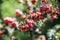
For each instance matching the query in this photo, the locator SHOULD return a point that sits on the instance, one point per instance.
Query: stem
(31, 34)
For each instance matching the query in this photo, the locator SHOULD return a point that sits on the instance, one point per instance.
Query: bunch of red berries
(26, 27)
(11, 22)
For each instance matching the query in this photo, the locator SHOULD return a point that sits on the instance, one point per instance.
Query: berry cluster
(11, 22)
(25, 22)
(26, 27)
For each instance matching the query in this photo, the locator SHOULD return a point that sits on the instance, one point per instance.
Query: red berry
(22, 28)
(12, 25)
(53, 16)
(58, 11)
(33, 15)
(1, 33)
(11, 22)
(39, 13)
(27, 28)
(8, 20)
(18, 12)
(36, 15)
(41, 17)
(30, 23)
(23, 16)
(43, 9)
(28, 16)
(44, 1)
(34, 1)
(49, 8)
